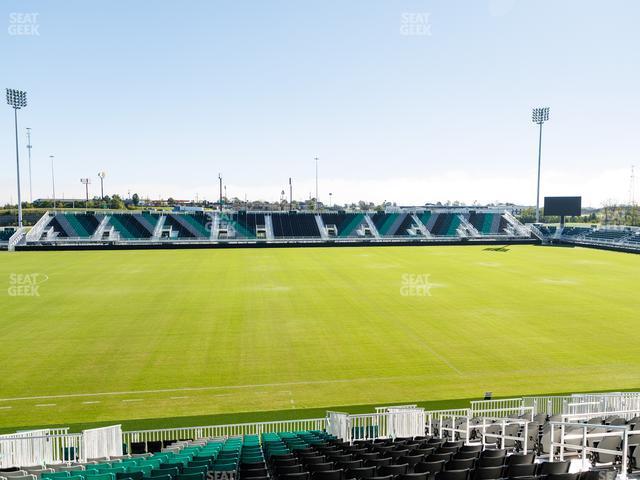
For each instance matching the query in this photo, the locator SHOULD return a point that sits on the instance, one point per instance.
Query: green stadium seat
(191, 476)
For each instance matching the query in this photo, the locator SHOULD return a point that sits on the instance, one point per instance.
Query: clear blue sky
(164, 95)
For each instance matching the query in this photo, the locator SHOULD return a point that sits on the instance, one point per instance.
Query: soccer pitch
(180, 336)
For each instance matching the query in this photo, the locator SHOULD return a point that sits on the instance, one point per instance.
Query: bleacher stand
(290, 225)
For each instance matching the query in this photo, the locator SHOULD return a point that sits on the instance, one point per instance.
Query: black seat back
(547, 468)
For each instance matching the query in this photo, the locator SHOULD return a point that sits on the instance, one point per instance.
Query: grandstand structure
(126, 228)
(569, 437)
(613, 237)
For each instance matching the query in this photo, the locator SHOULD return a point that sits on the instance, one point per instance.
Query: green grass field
(176, 337)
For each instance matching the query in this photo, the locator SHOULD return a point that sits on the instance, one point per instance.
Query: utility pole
(220, 180)
(29, 151)
(316, 158)
(290, 195)
(53, 182)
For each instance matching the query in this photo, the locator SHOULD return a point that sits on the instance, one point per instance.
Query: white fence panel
(406, 422)
(102, 442)
(37, 447)
(504, 407)
(368, 426)
(338, 425)
(24, 448)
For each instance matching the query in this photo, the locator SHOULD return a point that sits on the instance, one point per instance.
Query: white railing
(584, 417)
(38, 228)
(40, 447)
(368, 426)
(518, 227)
(16, 238)
(230, 430)
(393, 407)
(102, 442)
(406, 422)
(503, 435)
(466, 425)
(337, 424)
(582, 407)
(549, 404)
(503, 407)
(585, 445)
(387, 422)
(440, 422)
(606, 402)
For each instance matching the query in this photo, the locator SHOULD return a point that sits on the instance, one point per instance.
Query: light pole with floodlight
(17, 99)
(53, 182)
(102, 175)
(86, 182)
(316, 159)
(29, 150)
(539, 116)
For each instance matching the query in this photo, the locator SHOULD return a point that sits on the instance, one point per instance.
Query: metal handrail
(622, 431)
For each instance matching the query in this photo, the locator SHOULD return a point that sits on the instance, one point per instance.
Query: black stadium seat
(488, 473)
(429, 467)
(361, 472)
(453, 475)
(393, 469)
(328, 475)
(414, 476)
(546, 468)
(519, 459)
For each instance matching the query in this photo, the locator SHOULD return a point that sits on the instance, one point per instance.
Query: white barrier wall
(102, 442)
(37, 447)
(406, 422)
(337, 424)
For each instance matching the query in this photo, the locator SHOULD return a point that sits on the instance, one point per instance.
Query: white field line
(237, 387)
(210, 388)
(5, 408)
(45, 405)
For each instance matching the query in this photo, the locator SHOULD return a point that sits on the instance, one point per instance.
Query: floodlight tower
(86, 182)
(17, 99)
(539, 116)
(53, 182)
(220, 184)
(102, 175)
(29, 150)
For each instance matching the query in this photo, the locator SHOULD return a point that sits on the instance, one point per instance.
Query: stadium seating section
(115, 227)
(446, 224)
(6, 233)
(131, 226)
(289, 225)
(317, 455)
(346, 224)
(246, 224)
(625, 238)
(393, 224)
(74, 225)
